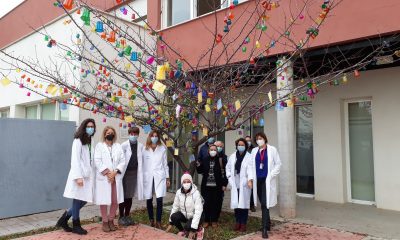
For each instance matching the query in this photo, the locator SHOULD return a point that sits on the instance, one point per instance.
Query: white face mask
(213, 153)
(186, 186)
(260, 142)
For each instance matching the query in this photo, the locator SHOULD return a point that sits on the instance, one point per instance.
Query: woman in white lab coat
(240, 173)
(155, 175)
(79, 185)
(133, 151)
(110, 164)
(267, 165)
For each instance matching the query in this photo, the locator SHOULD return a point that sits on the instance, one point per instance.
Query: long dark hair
(81, 131)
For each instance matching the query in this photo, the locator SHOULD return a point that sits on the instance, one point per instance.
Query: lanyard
(262, 155)
(90, 153)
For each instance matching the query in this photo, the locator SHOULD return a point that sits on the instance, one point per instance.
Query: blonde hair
(106, 128)
(148, 141)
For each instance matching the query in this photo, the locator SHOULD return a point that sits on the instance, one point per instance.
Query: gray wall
(34, 165)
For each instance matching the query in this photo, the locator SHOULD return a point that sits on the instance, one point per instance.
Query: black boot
(264, 233)
(63, 222)
(77, 228)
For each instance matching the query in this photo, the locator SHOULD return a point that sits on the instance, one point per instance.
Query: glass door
(304, 150)
(361, 156)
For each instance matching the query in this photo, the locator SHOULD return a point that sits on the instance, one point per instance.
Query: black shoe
(77, 228)
(264, 233)
(63, 222)
(253, 209)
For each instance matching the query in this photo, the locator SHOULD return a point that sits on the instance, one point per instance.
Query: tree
(129, 72)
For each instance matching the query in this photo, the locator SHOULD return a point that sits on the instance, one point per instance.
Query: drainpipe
(286, 142)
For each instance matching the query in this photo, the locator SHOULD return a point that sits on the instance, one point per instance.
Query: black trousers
(213, 197)
(251, 199)
(262, 196)
(178, 218)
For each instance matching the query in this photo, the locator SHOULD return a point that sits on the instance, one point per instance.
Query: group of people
(112, 174)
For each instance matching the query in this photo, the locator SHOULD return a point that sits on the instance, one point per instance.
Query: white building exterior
(15, 102)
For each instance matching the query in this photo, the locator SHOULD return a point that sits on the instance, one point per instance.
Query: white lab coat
(246, 174)
(126, 147)
(81, 167)
(155, 167)
(274, 166)
(102, 159)
(189, 204)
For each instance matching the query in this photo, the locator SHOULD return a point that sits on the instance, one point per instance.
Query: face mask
(213, 153)
(220, 149)
(249, 143)
(241, 148)
(89, 131)
(154, 140)
(260, 142)
(110, 137)
(211, 140)
(133, 138)
(186, 186)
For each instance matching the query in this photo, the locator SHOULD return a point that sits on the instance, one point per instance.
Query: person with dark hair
(267, 165)
(222, 160)
(79, 185)
(213, 184)
(133, 151)
(250, 147)
(155, 175)
(109, 160)
(240, 173)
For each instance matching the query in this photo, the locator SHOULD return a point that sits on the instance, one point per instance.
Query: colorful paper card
(159, 87)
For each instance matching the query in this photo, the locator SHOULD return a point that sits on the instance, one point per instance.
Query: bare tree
(124, 71)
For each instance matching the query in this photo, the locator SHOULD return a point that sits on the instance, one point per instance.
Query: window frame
(193, 11)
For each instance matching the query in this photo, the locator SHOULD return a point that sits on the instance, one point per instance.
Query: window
(206, 6)
(31, 112)
(178, 11)
(63, 112)
(4, 113)
(48, 111)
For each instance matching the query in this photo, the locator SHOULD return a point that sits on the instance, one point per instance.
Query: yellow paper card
(128, 119)
(5, 81)
(208, 109)
(170, 143)
(160, 75)
(176, 152)
(199, 97)
(205, 131)
(159, 87)
(270, 96)
(237, 105)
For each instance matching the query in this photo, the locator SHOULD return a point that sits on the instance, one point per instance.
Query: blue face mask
(211, 140)
(220, 149)
(154, 140)
(89, 131)
(133, 138)
(241, 148)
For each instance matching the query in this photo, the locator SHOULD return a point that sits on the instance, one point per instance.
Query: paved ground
(138, 232)
(49, 219)
(287, 231)
(292, 231)
(346, 217)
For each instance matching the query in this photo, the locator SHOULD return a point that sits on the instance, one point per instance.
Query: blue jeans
(150, 211)
(76, 207)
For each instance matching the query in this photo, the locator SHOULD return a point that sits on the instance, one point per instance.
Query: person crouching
(187, 209)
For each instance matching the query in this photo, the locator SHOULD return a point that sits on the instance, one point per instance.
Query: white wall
(34, 47)
(329, 139)
(140, 6)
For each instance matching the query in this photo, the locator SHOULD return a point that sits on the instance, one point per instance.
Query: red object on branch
(67, 4)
